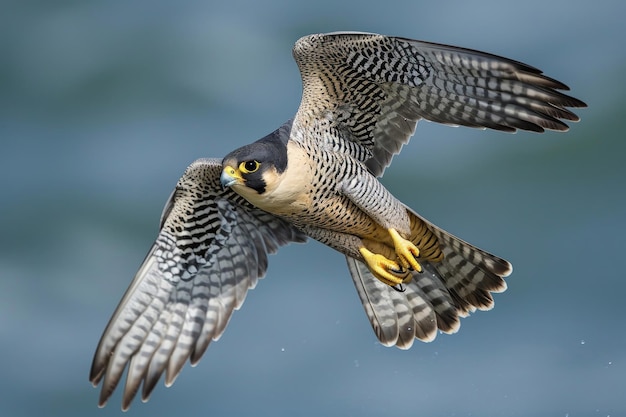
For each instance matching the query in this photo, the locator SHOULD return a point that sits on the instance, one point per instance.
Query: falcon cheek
(256, 182)
(261, 188)
(250, 186)
(287, 192)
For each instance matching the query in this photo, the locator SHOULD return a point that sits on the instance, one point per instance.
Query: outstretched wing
(212, 248)
(370, 90)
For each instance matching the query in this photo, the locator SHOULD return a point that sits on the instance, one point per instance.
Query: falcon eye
(249, 167)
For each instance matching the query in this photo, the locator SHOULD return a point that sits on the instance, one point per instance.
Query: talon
(386, 270)
(399, 271)
(407, 252)
(399, 288)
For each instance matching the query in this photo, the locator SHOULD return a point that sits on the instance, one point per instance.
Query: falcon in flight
(317, 176)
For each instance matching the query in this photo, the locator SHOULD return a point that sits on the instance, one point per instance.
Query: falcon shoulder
(212, 247)
(370, 90)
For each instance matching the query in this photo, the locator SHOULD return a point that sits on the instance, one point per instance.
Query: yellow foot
(407, 252)
(387, 271)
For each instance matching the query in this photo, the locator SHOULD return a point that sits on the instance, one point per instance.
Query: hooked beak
(230, 176)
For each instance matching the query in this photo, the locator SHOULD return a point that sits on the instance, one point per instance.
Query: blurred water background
(104, 103)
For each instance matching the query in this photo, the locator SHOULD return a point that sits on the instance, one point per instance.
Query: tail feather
(470, 274)
(457, 279)
(398, 318)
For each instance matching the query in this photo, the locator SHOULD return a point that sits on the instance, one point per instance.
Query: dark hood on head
(271, 148)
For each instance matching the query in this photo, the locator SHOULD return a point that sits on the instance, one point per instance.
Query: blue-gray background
(104, 103)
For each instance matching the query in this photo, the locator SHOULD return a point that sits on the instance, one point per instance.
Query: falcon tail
(451, 286)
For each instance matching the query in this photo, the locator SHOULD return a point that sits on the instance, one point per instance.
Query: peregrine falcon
(318, 176)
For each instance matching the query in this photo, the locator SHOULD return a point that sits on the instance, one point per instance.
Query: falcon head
(252, 169)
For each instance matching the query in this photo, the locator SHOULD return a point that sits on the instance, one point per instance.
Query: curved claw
(399, 288)
(407, 252)
(400, 271)
(386, 270)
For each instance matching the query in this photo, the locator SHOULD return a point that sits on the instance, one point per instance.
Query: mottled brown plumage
(317, 176)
